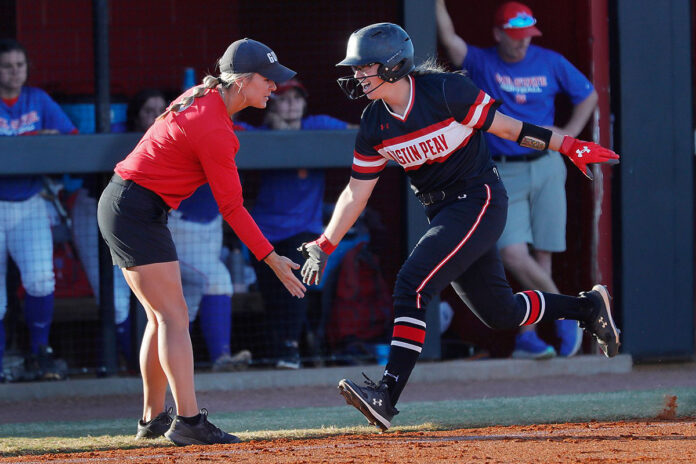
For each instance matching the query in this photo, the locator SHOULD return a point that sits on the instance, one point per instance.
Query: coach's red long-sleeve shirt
(183, 151)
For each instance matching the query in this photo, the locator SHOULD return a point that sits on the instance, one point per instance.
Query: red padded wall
(151, 42)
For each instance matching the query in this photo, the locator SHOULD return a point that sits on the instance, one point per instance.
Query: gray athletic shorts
(537, 205)
(133, 222)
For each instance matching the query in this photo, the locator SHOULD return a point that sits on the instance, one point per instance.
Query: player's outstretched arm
(350, 204)
(581, 153)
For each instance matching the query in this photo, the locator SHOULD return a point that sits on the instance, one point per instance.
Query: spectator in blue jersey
(142, 110)
(526, 79)
(288, 210)
(196, 228)
(25, 229)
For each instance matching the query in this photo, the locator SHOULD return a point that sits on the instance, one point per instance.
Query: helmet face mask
(352, 86)
(383, 43)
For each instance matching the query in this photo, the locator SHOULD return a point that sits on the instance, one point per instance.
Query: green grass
(53, 437)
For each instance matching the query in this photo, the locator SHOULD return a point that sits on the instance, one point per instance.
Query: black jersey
(437, 141)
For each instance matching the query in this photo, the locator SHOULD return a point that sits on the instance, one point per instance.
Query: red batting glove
(582, 153)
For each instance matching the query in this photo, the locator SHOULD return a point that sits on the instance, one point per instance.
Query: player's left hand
(582, 153)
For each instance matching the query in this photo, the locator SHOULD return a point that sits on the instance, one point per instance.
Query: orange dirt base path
(649, 441)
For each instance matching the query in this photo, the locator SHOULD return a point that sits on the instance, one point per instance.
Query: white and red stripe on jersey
(441, 122)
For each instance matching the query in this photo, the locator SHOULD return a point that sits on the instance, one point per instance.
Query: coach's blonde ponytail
(209, 82)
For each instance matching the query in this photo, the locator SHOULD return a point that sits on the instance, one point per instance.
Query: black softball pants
(459, 248)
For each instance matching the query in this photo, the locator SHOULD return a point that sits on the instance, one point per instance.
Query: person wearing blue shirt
(288, 210)
(526, 79)
(196, 228)
(25, 228)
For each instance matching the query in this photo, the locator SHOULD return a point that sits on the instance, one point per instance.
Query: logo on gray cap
(251, 56)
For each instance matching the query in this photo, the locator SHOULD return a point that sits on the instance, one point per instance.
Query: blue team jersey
(289, 201)
(200, 207)
(437, 140)
(527, 89)
(33, 111)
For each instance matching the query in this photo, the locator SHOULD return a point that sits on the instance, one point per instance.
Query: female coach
(430, 122)
(190, 144)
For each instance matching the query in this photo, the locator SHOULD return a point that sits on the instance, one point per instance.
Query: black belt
(512, 158)
(454, 190)
(118, 180)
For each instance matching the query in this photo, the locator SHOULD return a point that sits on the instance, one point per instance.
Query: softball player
(431, 122)
(25, 229)
(191, 143)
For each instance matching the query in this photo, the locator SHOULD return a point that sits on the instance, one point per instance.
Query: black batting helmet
(384, 43)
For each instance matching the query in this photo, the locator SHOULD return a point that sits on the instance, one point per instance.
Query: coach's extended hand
(582, 153)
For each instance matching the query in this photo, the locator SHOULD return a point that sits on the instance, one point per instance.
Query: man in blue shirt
(526, 79)
(288, 210)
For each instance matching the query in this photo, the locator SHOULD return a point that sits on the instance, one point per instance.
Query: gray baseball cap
(247, 55)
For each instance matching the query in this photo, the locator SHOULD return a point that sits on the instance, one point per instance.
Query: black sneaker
(50, 368)
(372, 401)
(29, 371)
(156, 427)
(201, 433)
(601, 325)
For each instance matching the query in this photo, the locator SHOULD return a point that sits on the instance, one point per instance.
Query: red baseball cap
(291, 84)
(517, 20)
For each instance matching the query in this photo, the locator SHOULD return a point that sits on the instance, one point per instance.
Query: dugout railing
(97, 154)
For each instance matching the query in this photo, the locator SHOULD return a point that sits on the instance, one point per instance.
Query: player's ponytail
(429, 66)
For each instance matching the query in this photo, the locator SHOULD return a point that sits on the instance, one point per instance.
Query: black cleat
(156, 427)
(373, 401)
(201, 433)
(601, 324)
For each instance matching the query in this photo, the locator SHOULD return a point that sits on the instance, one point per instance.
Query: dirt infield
(653, 441)
(668, 434)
